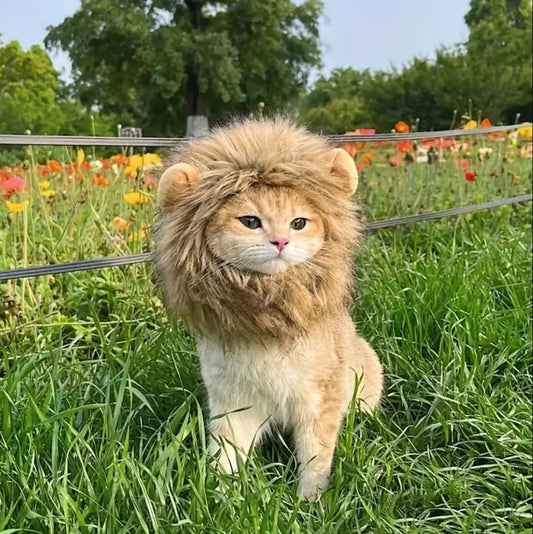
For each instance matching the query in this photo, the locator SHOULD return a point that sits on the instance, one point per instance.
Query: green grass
(101, 425)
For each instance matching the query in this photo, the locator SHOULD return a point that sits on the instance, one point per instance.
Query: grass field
(101, 405)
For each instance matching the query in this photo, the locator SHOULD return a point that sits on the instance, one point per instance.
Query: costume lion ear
(174, 182)
(343, 166)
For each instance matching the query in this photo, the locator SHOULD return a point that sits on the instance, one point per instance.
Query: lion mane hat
(217, 299)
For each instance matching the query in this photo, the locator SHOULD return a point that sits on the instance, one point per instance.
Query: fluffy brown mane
(218, 299)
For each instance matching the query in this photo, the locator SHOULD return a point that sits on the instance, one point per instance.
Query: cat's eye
(250, 221)
(298, 223)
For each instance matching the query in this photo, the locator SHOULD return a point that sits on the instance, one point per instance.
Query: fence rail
(102, 263)
(75, 140)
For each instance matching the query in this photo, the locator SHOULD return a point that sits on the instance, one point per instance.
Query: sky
(377, 34)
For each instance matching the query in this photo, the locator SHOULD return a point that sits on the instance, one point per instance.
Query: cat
(253, 252)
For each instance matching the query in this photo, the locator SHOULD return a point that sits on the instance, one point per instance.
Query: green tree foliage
(33, 98)
(489, 76)
(153, 62)
(28, 85)
(336, 101)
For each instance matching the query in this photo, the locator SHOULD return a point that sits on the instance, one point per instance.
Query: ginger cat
(253, 253)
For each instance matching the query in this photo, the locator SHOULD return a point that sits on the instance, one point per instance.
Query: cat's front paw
(311, 485)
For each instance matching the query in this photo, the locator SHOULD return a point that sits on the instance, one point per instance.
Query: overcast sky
(374, 34)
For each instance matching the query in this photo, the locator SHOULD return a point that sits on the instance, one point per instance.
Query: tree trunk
(195, 103)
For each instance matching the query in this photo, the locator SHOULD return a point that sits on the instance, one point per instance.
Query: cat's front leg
(315, 439)
(233, 434)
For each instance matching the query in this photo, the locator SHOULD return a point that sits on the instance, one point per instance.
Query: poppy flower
(43, 170)
(485, 123)
(367, 158)
(80, 157)
(470, 175)
(106, 164)
(395, 161)
(404, 146)
(525, 132)
(120, 224)
(401, 127)
(16, 207)
(150, 181)
(119, 159)
(135, 198)
(470, 125)
(54, 166)
(100, 180)
(14, 184)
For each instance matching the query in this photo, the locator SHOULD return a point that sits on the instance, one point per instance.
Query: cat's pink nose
(280, 242)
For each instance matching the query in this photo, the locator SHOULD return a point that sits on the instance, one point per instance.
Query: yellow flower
(80, 158)
(152, 159)
(16, 207)
(470, 125)
(44, 184)
(134, 198)
(525, 132)
(137, 236)
(120, 224)
(49, 193)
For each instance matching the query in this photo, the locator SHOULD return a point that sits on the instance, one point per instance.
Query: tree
(28, 84)
(488, 76)
(33, 98)
(499, 49)
(335, 104)
(152, 62)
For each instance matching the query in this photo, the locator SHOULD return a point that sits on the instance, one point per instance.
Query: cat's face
(266, 230)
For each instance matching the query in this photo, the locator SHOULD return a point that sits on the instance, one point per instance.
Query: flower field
(101, 422)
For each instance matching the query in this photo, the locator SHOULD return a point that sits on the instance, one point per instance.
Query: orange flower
(120, 224)
(367, 158)
(119, 159)
(100, 180)
(87, 165)
(43, 170)
(401, 127)
(54, 166)
(485, 123)
(106, 164)
(404, 146)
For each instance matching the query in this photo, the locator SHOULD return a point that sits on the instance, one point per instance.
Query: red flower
(485, 123)
(14, 184)
(404, 146)
(43, 170)
(106, 164)
(443, 143)
(470, 175)
(395, 161)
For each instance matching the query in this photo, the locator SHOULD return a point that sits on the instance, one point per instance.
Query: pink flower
(14, 184)
(470, 175)
(395, 161)
(150, 181)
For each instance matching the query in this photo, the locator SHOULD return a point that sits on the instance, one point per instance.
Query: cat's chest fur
(268, 378)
